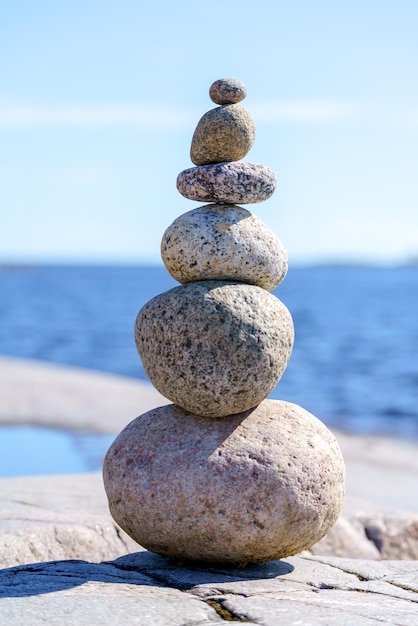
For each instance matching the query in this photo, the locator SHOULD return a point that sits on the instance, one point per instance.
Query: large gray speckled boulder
(261, 485)
(214, 347)
(225, 133)
(223, 242)
(229, 183)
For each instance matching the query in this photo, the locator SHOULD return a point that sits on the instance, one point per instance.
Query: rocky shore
(65, 561)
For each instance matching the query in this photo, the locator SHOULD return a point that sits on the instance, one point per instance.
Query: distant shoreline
(22, 266)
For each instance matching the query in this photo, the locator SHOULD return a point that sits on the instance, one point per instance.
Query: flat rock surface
(150, 590)
(56, 517)
(42, 394)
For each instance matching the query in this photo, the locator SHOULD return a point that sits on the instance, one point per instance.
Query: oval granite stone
(223, 242)
(230, 183)
(214, 347)
(227, 91)
(261, 485)
(225, 133)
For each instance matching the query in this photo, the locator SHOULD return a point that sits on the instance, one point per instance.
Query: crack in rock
(374, 578)
(226, 614)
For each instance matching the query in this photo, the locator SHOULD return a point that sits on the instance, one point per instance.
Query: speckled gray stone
(225, 133)
(261, 485)
(227, 91)
(229, 183)
(214, 347)
(223, 242)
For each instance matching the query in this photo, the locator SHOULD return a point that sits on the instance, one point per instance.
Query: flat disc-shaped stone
(214, 347)
(230, 183)
(225, 133)
(223, 242)
(261, 485)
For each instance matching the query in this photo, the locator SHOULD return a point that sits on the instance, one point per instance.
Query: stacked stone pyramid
(222, 474)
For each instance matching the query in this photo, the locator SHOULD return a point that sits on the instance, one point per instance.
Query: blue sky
(99, 101)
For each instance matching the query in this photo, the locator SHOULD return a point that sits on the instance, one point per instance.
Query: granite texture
(223, 242)
(347, 538)
(225, 133)
(67, 517)
(214, 347)
(393, 534)
(227, 91)
(229, 183)
(257, 486)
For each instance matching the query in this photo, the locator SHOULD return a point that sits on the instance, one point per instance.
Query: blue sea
(354, 363)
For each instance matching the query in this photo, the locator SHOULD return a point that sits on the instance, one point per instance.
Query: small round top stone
(227, 91)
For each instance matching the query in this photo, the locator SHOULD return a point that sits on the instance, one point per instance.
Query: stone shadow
(140, 568)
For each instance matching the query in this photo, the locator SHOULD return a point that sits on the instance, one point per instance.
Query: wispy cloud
(409, 119)
(149, 117)
(90, 116)
(306, 111)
